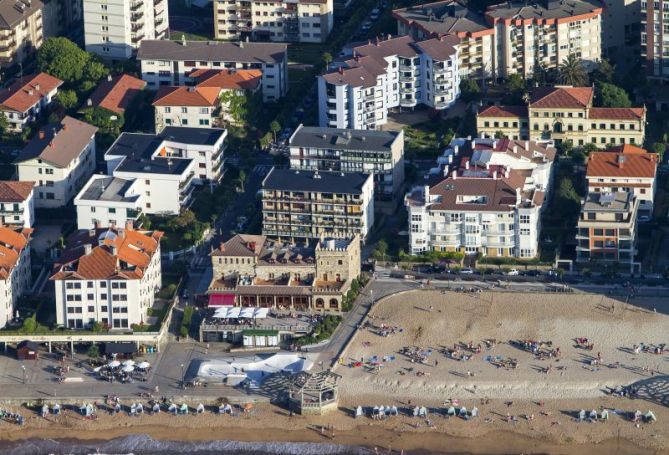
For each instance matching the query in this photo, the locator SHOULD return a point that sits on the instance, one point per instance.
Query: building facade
(108, 276)
(113, 29)
(109, 202)
(60, 158)
(564, 113)
(255, 271)
(378, 153)
(165, 62)
(168, 166)
(311, 204)
(62, 17)
(487, 199)
(198, 107)
(21, 31)
(299, 21)
(512, 37)
(15, 273)
(654, 45)
(26, 98)
(606, 230)
(625, 168)
(388, 74)
(17, 203)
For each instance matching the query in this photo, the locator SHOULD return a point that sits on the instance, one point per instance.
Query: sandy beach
(531, 408)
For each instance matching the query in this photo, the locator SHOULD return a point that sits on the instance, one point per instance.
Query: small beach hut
(117, 408)
(422, 412)
(416, 410)
(650, 417)
(133, 409)
(475, 412)
(593, 415)
(140, 408)
(463, 412)
(199, 409)
(173, 409)
(358, 412)
(637, 415)
(183, 409)
(451, 411)
(56, 409)
(45, 410)
(605, 415)
(393, 411)
(156, 408)
(581, 415)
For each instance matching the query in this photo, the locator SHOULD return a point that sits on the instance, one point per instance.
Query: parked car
(466, 272)
(513, 272)
(375, 14)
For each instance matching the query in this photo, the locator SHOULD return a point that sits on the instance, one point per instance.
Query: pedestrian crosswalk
(262, 169)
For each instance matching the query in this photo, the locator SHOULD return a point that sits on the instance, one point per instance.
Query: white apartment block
(395, 73)
(165, 62)
(625, 168)
(23, 100)
(113, 29)
(654, 38)
(15, 274)
(511, 37)
(17, 203)
(380, 153)
(109, 276)
(489, 201)
(311, 204)
(60, 158)
(186, 106)
(167, 166)
(299, 21)
(109, 202)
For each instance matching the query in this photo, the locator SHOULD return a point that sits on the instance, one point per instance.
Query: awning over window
(221, 300)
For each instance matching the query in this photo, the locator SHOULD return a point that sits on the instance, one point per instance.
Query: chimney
(466, 164)
(426, 193)
(456, 149)
(109, 77)
(88, 248)
(341, 70)
(37, 87)
(515, 149)
(620, 160)
(506, 172)
(473, 143)
(487, 166)
(494, 143)
(30, 92)
(494, 175)
(454, 174)
(518, 196)
(114, 250)
(527, 145)
(41, 134)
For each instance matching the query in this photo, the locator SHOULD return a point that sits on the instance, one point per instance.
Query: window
(90, 296)
(168, 110)
(112, 210)
(103, 296)
(524, 219)
(204, 122)
(415, 217)
(103, 308)
(184, 110)
(91, 309)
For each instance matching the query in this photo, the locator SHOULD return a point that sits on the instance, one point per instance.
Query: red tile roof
(15, 191)
(24, 94)
(115, 253)
(504, 111)
(12, 242)
(187, 96)
(636, 163)
(115, 94)
(227, 79)
(617, 113)
(562, 97)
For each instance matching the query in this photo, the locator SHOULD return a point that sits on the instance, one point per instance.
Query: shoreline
(367, 436)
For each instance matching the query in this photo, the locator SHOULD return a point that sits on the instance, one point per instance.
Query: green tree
(469, 90)
(63, 59)
(95, 70)
(274, 127)
(514, 90)
(236, 104)
(242, 178)
(265, 141)
(659, 148)
(613, 96)
(604, 72)
(568, 201)
(67, 99)
(107, 121)
(30, 324)
(380, 250)
(93, 352)
(571, 72)
(327, 59)
(144, 221)
(4, 123)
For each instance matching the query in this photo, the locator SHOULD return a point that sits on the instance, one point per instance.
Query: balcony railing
(135, 6)
(186, 182)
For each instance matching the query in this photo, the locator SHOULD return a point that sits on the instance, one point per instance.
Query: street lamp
(371, 293)
(183, 378)
(24, 373)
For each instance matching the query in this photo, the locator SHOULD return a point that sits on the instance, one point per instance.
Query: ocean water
(139, 444)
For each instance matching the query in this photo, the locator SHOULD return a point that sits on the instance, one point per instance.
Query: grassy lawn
(307, 53)
(427, 139)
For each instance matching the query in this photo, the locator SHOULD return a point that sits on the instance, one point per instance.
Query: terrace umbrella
(128, 363)
(128, 369)
(114, 364)
(143, 365)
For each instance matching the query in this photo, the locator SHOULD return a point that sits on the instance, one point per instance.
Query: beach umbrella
(114, 364)
(128, 369)
(97, 369)
(128, 362)
(143, 365)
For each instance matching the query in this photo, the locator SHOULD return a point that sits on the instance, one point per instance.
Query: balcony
(186, 182)
(135, 6)
(136, 16)
(133, 214)
(137, 38)
(7, 46)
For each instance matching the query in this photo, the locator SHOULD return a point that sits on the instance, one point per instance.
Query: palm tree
(571, 72)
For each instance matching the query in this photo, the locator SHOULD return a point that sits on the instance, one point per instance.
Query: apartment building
(606, 230)
(625, 168)
(109, 276)
(655, 38)
(186, 106)
(387, 74)
(621, 26)
(311, 204)
(297, 21)
(62, 17)
(114, 29)
(256, 271)
(17, 203)
(165, 62)
(563, 113)
(20, 31)
(15, 273)
(487, 199)
(511, 37)
(26, 98)
(109, 202)
(115, 93)
(60, 158)
(476, 58)
(380, 153)
(167, 166)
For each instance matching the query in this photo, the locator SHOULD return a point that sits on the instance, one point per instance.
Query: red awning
(222, 300)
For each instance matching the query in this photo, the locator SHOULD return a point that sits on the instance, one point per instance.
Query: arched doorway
(320, 303)
(334, 305)
(557, 127)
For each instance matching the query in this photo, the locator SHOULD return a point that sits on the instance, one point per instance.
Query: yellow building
(20, 30)
(564, 113)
